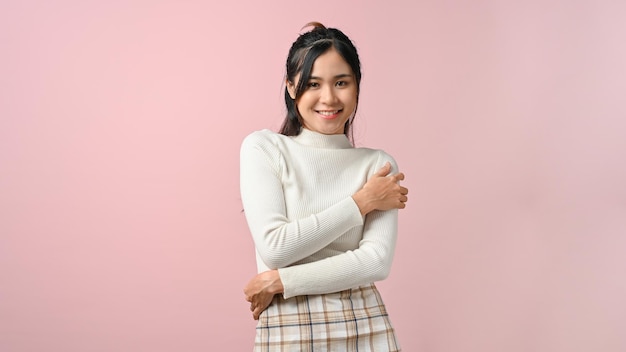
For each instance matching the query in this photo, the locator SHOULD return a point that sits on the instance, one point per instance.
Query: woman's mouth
(328, 114)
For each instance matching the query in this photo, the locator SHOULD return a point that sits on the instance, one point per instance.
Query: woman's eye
(341, 83)
(313, 85)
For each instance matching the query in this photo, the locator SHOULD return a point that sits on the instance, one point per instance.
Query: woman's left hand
(261, 290)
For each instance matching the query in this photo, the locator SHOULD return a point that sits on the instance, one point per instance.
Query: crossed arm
(290, 241)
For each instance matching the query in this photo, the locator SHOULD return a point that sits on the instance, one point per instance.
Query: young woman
(323, 214)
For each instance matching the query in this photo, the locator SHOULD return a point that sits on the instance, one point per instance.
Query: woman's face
(330, 97)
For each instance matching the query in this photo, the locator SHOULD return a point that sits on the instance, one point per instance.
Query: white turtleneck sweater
(297, 198)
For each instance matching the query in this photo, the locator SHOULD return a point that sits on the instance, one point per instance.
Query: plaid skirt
(350, 320)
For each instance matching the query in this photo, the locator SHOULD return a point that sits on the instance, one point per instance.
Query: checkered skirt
(350, 320)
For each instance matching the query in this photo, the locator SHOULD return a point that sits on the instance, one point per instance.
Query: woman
(323, 214)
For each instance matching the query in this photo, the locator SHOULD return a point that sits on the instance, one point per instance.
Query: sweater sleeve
(279, 241)
(368, 263)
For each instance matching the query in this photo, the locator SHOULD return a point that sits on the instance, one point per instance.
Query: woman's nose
(328, 95)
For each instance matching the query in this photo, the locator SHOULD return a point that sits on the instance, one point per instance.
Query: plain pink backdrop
(120, 124)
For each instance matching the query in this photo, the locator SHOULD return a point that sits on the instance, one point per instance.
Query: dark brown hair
(303, 53)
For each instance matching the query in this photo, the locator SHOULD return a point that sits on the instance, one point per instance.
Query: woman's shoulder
(261, 137)
(381, 153)
(380, 156)
(264, 134)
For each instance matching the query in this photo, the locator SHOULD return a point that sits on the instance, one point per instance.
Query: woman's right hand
(382, 192)
(261, 290)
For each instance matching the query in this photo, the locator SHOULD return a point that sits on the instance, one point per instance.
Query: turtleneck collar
(319, 140)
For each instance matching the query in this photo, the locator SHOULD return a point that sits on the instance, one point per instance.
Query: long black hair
(303, 53)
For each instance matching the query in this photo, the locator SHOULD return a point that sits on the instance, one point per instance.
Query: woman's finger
(384, 171)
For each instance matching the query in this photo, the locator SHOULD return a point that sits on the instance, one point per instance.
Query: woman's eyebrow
(343, 75)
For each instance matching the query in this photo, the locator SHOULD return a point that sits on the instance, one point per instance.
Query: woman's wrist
(276, 285)
(362, 202)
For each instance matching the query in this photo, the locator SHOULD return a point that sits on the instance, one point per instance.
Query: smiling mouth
(328, 114)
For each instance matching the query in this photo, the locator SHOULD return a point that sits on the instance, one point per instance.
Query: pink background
(120, 124)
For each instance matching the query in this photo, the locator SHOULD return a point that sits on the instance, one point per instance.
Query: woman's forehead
(330, 65)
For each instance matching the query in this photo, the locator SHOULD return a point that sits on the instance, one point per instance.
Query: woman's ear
(291, 88)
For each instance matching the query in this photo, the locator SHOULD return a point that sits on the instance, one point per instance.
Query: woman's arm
(380, 198)
(278, 241)
(370, 262)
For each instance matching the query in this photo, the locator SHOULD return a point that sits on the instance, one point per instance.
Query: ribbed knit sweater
(297, 198)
